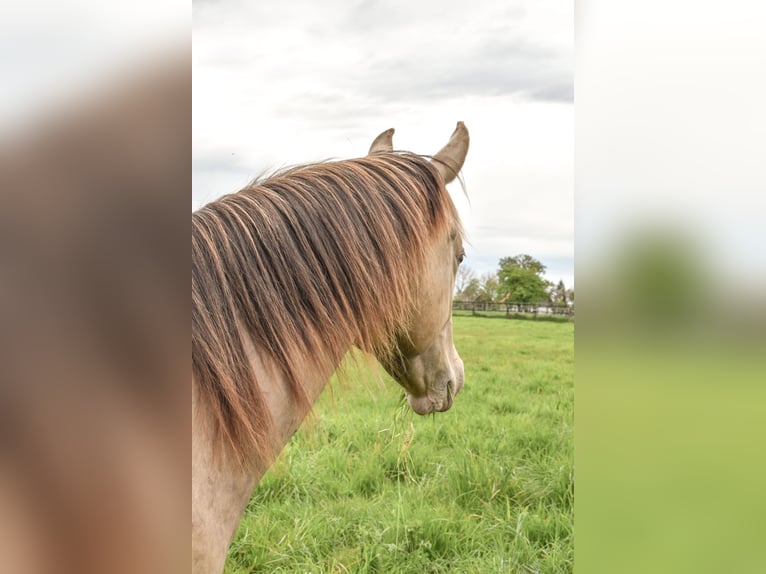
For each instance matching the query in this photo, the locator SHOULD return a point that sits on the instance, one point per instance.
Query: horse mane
(304, 264)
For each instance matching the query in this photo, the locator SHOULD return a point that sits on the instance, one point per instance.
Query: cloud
(491, 67)
(384, 54)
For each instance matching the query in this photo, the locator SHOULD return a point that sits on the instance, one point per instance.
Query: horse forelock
(304, 264)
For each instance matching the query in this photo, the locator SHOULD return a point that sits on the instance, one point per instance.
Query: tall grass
(367, 486)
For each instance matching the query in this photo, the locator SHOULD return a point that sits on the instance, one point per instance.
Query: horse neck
(220, 493)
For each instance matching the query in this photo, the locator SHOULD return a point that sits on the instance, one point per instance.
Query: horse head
(425, 362)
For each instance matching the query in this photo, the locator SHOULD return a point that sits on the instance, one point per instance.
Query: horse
(291, 272)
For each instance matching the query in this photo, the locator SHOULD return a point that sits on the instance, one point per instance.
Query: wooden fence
(549, 309)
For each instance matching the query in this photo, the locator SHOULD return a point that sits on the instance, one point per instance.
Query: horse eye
(460, 258)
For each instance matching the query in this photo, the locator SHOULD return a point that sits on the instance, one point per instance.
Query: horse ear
(449, 160)
(383, 143)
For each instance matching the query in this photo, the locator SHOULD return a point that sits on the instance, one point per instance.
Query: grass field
(368, 486)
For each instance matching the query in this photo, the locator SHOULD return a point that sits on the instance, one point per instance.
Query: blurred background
(670, 211)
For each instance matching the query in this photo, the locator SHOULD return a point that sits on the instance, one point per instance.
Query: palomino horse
(287, 275)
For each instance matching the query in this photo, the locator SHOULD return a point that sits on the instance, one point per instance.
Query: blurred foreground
(94, 370)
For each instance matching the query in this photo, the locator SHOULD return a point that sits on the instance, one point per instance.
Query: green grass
(368, 486)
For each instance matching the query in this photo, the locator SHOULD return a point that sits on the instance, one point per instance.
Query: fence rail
(512, 308)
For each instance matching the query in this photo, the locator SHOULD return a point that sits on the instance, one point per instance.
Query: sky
(284, 83)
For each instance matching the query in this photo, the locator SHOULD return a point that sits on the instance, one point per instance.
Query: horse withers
(287, 275)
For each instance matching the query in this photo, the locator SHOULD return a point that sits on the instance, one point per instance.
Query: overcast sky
(280, 83)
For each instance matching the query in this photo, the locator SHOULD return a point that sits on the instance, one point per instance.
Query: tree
(521, 280)
(471, 291)
(658, 278)
(463, 278)
(559, 293)
(489, 287)
(523, 262)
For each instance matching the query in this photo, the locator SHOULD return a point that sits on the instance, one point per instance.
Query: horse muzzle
(440, 394)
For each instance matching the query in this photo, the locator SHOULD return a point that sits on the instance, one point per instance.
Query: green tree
(471, 291)
(521, 279)
(490, 288)
(659, 278)
(523, 262)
